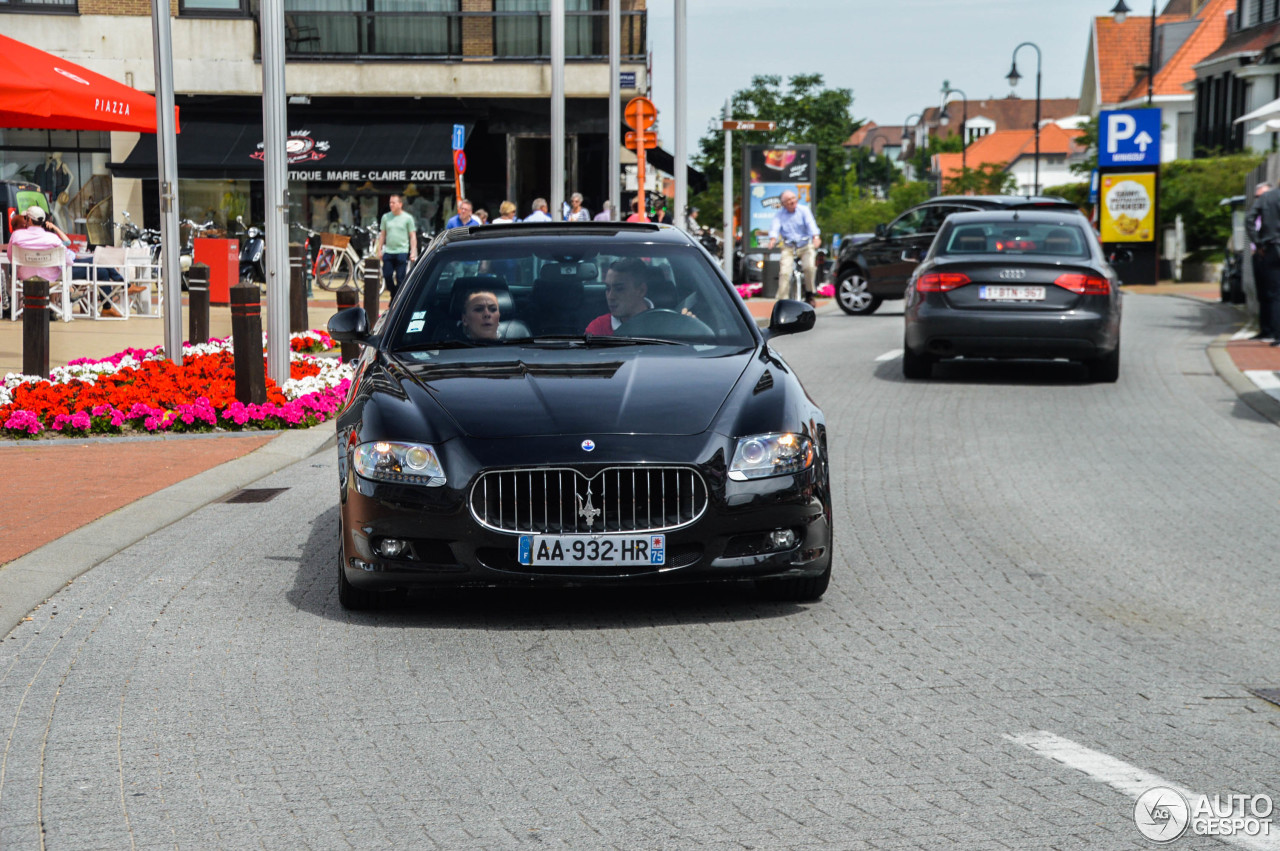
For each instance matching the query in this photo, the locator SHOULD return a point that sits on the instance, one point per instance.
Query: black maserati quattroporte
(577, 404)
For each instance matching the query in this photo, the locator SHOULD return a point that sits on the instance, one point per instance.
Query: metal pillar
(167, 157)
(275, 136)
(557, 110)
(682, 108)
(615, 108)
(729, 252)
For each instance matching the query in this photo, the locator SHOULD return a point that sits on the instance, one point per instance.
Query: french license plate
(593, 550)
(1003, 293)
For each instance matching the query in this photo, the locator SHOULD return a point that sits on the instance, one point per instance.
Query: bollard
(298, 319)
(35, 327)
(198, 304)
(348, 297)
(246, 341)
(372, 278)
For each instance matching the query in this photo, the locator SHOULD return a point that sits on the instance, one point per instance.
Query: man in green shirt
(399, 237)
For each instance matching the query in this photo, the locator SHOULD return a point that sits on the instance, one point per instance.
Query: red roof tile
(1180, 68)
(1117, 48)
(1004, 147)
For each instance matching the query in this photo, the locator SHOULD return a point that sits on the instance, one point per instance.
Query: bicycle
(188, 252)
(796, 290)
(337, 266)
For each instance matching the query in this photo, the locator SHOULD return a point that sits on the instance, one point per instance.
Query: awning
(318, 151)
(1270, 110)
(665, 162)
(1271, 125)
(45, 92)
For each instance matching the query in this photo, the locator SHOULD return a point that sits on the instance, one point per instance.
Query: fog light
(782, 539)
(392, 547)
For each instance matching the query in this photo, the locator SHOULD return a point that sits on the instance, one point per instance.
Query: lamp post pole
(1013, 79)
(871, 145)
(907, 125)
(947, 91)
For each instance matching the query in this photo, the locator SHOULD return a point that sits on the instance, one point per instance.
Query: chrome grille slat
(664, 497)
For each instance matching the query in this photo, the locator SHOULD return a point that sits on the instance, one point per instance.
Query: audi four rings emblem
(588, 445)
(1013, 274)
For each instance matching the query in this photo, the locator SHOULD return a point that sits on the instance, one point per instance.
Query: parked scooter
(252, 268)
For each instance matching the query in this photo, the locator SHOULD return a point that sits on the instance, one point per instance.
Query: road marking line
(1123, 777)
(890, 355)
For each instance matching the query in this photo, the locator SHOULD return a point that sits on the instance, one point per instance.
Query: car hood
(496, 393)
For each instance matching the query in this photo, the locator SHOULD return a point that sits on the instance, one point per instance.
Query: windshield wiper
(439, 344)
(593, 340)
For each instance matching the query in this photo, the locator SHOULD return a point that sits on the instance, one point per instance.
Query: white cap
(36, 213)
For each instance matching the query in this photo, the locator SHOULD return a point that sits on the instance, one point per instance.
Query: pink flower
(23, 421)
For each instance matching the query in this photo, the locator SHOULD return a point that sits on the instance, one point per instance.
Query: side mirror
(791, 317)
(882, 230)
(349, 326)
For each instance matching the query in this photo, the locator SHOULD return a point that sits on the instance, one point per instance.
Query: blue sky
(894, 54)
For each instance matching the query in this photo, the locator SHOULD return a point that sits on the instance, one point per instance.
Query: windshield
(1009, 237)
(486, 292)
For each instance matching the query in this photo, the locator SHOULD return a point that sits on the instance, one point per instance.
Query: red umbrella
(41, 91)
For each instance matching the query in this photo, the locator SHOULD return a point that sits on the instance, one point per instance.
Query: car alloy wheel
(853, 297)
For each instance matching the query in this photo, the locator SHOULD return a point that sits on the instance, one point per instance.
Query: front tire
(852, 294)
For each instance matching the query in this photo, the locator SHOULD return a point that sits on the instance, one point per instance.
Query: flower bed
(142, 391)
(750, 290)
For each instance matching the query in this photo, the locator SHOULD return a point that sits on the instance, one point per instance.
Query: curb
(1251, 394)
(30, 580)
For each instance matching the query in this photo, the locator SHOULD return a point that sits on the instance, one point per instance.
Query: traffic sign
(640, 113)
(459, 136)
(749, 124)
(650, 140)
(460, 162)
(627, 79)
(1129, 137)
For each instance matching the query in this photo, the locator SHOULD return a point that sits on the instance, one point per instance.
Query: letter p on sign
(1120, 126)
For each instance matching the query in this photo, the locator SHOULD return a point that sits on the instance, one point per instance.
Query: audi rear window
(1014, 238)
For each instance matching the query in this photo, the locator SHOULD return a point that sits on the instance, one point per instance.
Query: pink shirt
(37, 237)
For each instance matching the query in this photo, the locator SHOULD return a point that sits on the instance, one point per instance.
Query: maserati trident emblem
(586, 510)
(588, 445)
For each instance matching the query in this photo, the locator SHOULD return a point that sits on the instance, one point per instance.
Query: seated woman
(480, 317)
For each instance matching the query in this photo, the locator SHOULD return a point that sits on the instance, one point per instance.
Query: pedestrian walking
(577, 212)
(506, 214)
(539, 213)
(463, 217)
(795, 226)
(606, 212)
(483, 216)
(637, 211)
(1265, 331)
(1265, 224)
(397, 244)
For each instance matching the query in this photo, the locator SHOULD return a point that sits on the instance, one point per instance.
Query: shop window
(70, 167)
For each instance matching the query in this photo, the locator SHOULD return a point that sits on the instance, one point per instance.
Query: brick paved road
(1017, 551)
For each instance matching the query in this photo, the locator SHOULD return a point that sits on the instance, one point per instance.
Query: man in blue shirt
(795, 226)
(463, 217)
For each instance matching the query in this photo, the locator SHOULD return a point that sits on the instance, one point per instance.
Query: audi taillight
(940, 282)
(1084, 284)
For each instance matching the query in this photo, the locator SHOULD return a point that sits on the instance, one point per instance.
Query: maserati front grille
(562, 500)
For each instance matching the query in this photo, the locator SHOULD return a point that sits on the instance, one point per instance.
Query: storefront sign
(1128, 211)
(423, 175)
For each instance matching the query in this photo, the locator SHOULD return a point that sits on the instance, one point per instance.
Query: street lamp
(943, 119)
(1013, 79)
(1119, 12)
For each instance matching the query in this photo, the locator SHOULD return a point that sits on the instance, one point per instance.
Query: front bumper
(448, 547)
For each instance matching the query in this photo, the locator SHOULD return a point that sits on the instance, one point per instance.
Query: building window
(372, 27)
(213, 7)
(38, 6)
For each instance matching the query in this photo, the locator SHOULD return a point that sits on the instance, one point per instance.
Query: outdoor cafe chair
(60, 301)
(142, 274)
(106, 291)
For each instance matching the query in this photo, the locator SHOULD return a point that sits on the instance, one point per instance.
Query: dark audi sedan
(577, 404)
(1014, 285)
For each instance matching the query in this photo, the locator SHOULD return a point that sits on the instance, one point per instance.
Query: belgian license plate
(1003, 293)
(593, 550)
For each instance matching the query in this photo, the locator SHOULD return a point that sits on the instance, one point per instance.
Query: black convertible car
(574, 404)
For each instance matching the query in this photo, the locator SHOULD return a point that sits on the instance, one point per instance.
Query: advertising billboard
(768, 171)
(1128, 209)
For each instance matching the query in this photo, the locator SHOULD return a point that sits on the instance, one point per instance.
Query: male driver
(1264, 222)
(397, 244)
(539, 213)
(799, 232)
(462, 218)
(624, 289)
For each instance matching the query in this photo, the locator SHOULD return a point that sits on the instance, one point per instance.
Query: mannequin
(344, 205)
(54, 176)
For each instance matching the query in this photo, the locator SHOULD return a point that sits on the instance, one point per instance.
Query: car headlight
(763, 455)
(403, 463)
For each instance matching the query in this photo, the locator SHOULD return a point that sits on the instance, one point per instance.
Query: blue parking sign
(1129, 137)
(459, 136)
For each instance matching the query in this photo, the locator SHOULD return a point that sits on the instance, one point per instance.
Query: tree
(922, 160)
(986, 179)
(807, 113)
